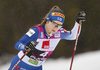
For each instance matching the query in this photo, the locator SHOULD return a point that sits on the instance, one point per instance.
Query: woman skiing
(42, 40)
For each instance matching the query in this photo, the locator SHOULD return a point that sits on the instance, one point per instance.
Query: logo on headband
(58, 14)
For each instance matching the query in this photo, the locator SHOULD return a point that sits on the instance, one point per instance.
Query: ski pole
(80, 22)
(75, 46)
(20, 59)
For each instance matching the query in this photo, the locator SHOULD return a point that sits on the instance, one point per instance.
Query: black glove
(31, 45)
(81, 16)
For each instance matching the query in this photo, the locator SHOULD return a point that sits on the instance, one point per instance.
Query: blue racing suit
(35, 59)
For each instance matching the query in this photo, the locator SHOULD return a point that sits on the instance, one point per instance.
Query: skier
(42, 40)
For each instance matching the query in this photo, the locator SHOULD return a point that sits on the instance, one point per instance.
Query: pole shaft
(75, 44)
(20, 59)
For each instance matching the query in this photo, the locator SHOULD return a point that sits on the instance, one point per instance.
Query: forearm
(74, 31)
(19, 46)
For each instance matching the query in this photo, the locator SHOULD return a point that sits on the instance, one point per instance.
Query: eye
(57, 25)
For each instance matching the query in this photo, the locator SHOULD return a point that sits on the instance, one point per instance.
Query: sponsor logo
(57, 34)
(33, 61)
(45, 45)
(58, 14)
(30, 32)
(21, 46)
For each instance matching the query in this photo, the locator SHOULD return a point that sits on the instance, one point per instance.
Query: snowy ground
(85, 61)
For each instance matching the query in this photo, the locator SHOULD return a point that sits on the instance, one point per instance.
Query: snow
(84, 61)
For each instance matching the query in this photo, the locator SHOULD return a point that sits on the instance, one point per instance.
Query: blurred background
(17, 16)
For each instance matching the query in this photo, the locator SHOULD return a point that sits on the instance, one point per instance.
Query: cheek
(50, 27)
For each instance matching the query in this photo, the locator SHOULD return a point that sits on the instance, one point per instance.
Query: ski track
(83, 61)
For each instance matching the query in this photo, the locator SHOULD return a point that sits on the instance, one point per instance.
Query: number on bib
(44, 54)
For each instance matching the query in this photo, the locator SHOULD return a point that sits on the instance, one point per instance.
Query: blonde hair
(53, 9)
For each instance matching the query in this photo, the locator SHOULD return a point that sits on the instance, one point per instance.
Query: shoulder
(32, 31)
(34, 28)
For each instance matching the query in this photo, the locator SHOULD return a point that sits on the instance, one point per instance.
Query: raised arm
(71, 35)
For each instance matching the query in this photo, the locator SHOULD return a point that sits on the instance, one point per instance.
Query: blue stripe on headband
(56, 16)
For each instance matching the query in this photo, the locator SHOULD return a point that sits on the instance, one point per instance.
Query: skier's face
(53, 26)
